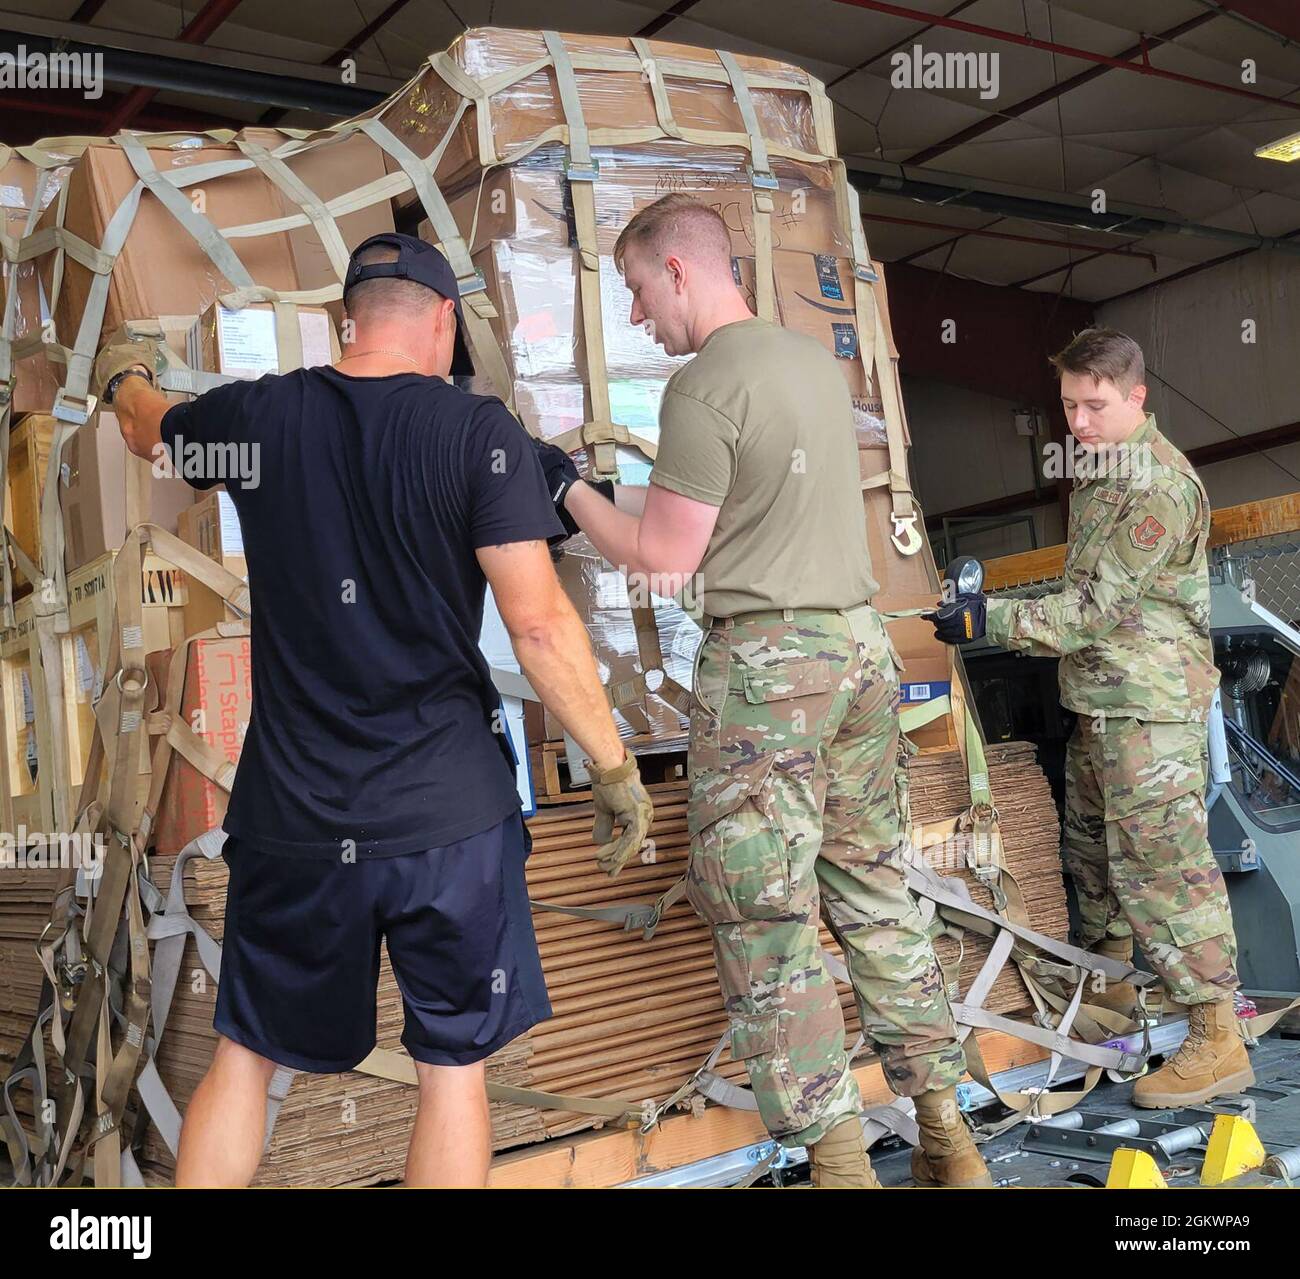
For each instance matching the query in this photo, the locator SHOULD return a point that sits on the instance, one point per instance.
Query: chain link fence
(1271, 563)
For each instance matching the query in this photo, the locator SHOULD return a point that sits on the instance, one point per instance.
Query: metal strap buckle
(73, 408)
(764, 180)
(582, 172)
(468, 284)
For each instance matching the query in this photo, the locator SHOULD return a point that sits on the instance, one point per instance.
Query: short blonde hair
(679, 221)
(1105, 355)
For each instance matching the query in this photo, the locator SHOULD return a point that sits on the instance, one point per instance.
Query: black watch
(116, 380)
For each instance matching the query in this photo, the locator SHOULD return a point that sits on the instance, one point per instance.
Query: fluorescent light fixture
(1284, 149)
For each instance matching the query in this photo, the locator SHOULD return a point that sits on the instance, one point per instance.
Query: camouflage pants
(1137, 849)
(794, 817)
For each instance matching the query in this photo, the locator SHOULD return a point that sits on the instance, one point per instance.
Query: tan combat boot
(1212, 1061)
(839, 1160)
(946, 1156)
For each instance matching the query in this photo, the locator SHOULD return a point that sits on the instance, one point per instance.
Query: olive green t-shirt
(760, 424)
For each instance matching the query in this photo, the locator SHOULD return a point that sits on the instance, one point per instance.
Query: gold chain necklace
(356, 355)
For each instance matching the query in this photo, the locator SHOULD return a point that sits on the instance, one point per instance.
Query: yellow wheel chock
(1234, 1149)
(1133, 1170)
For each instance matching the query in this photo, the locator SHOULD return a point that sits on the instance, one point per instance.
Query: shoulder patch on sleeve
(1146, 534)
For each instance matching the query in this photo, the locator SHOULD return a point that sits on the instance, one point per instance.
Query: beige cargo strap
(118, 902)
(387, 1063)
(763, 182)
(288, 182)
(631, 915)
(953, 896)
(593, 433)
(12, 256)
(906, 537)
(216, 245)
(476, 306)
(632, 62)
(460, 81)
(168, 929)
(1262, 1023)
(599, 431)
(658, 90)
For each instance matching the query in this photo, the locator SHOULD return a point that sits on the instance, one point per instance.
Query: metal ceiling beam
(196, 31)
(1231, 12)
(345, 50)
(68, 106)
(87, 10)
(660, 21)
(898, 44)
(368, 32)
(1058, 208)
(1123, 250)
(1191, 270)
(1018, 109)
(209, 77)
(41, 32)
(1069, 51)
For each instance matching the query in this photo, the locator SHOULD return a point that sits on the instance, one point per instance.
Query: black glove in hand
(962, 620)
(561, 475)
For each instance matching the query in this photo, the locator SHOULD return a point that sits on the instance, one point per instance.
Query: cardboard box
(926, 662)
(421, 113)
(803, 217)
(219, 683)
(161, 269)
(94, 477)
(29, 455)
(330, 170)
(901, 577)
(535, 291)
(242, 343)
(84, 649)
(528, 206)
(212, 526)
(815, 293)
(531, 205)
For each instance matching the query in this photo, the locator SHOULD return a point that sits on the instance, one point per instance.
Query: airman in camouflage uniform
(1132, 629)
(793, 802)
(794, 816)
(1137, 665)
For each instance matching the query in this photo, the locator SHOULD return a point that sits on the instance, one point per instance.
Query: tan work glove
(619, 797)
(126, 355)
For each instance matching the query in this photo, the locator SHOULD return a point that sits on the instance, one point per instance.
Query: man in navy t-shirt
(375, 795)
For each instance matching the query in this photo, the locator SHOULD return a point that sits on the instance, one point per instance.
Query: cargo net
(1272, 564)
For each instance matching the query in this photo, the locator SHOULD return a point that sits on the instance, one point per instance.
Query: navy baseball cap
(421, 262)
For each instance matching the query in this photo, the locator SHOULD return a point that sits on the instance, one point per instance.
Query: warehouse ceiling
(1116, 150)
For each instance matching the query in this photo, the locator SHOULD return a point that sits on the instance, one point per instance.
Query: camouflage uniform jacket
(1132, 623)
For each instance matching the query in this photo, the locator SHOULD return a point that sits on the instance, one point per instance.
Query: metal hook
(905, 529)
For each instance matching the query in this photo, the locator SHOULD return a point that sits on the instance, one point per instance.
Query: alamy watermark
(24, 69)
(1070, 460)
(213, 460)
(917, 68)
(58, 850)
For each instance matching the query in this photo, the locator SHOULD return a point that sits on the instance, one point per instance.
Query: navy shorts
(300, 959)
